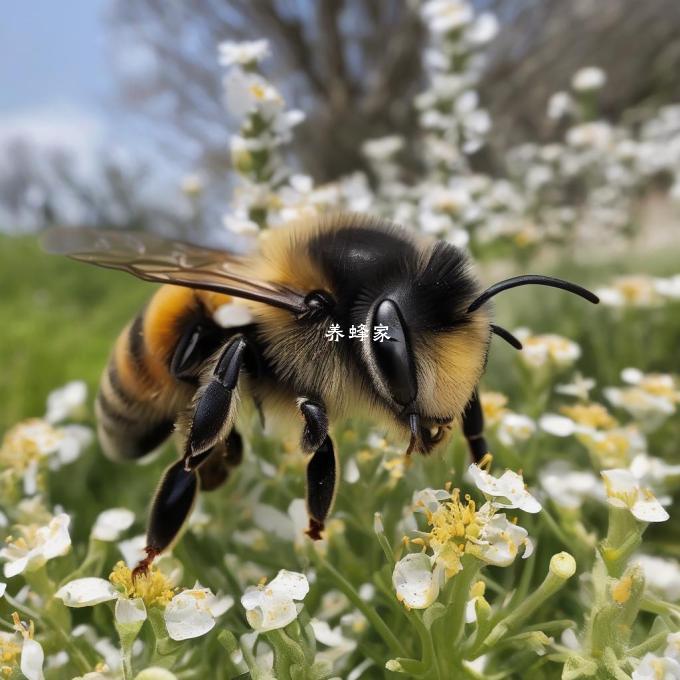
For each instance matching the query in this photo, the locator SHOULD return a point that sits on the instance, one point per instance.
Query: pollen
(452, 525)
(621, 591)
(152, 587)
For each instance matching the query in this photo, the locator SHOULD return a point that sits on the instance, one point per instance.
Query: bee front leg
(213, 404)
(473, 428)
(322, 468)
(322, 485)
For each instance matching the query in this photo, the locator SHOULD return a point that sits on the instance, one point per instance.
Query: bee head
(426, 352)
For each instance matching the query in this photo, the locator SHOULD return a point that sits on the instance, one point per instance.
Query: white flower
(416, 585)
(246, 93)
(428, 499)
(132, 549)
(653, 667)
(669, 287)
(499, 541)
(559, 105)
(21, 644)
(568, 488)
(579, 387)
(66, 402)
(539, 350)
(32, 659)
(87, 592)
(588, 79)
(595, 135)
(623, 491)
(653, 471)
(383, 148)
(661, 575)
(443, 16)
(630, 291)
(509, 487)
(483, 30)
(36, 545)
(191, 185)
(332, 638)
(272, 606)
(242, 53)
(192, 613)
(111, 523)
(515, 427)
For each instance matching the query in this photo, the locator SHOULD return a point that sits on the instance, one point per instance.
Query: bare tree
(352, 65)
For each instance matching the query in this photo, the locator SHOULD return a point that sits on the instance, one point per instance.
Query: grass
(60, 319)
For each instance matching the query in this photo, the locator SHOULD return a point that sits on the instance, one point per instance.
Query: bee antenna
(506, 335)
(535, 279)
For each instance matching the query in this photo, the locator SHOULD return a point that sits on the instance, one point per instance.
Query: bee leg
(322, 482)
(473, 428)
(196, 344)
(224, 456)
(316, 424)
(178, 491)
(171, 506)
(213, 403)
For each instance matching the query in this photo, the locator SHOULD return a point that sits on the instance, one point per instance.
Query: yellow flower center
(27, 441)
(660, 385)
(591, 415)
(152, 587)
(611, 450)
(452, 524)
(635, 289)
(493, 406)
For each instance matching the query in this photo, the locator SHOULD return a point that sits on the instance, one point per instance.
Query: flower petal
(32, 658)
(414, 581)
(111, 523)
(187, 615)
(86, 592)
(130, 612)
(290, 584)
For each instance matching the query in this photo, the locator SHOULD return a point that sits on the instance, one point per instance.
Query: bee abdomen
(139, 397)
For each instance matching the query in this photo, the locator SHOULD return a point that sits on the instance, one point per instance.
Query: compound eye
(319, 303)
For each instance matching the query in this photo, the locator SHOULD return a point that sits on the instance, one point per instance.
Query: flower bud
(563, 565)
(155, 673)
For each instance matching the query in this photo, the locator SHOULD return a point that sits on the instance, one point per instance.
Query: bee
(293, 355)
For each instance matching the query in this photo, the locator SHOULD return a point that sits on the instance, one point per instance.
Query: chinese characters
(360, 332)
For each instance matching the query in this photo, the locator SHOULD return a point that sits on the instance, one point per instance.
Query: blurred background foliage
(349, 64)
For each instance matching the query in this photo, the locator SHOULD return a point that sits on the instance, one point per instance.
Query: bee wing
(153, 258)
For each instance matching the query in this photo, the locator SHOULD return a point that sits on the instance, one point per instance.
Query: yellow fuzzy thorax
(152, 587)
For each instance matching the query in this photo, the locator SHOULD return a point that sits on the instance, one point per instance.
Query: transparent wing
(153, 258)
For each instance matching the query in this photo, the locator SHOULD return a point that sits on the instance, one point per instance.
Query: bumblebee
(174, 368)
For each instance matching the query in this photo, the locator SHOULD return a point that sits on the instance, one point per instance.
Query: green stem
(649, 645)
(551, 584)
(369, 612)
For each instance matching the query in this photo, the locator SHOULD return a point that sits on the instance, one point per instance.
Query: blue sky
(54, 54)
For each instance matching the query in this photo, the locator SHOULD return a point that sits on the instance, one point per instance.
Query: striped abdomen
(139, 396)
